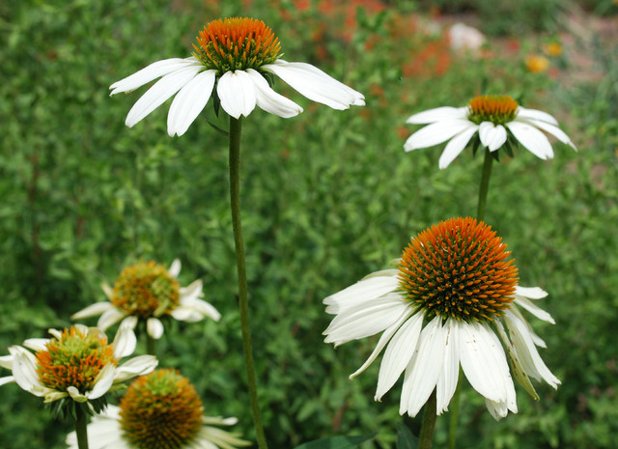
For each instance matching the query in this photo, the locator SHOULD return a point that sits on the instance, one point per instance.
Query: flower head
(148, 291)
(77, 363)
(232, 58)
(159, 411)
(493, 121)
(453, 300)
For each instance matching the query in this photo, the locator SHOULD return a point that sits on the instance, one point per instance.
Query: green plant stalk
(235, 131)
(480, 215)
(428, 424)
(81, 427)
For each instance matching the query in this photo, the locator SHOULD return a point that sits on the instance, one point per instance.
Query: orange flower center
(498, 109)
(458, 268)
(75, 359)
(161, 411)
(146, 289)
(236, 43)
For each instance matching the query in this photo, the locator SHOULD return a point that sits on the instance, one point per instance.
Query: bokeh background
(328, 197)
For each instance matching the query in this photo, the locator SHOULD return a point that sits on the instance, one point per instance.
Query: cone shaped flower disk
(232, 59)
(159, 411)
(454, 301)
(149, 291)
(77, 363)
(496, 120)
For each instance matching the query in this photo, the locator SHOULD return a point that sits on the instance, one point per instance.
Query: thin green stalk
(454, 415)
(81, 427)
(425, 437)
(235, 131)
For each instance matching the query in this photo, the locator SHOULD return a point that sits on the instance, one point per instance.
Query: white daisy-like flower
(77, 363)
(454, 301)
(498, 121)
(233, 59)
(159, 411)
(148, 291)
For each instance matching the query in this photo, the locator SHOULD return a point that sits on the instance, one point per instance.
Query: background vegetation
(327, 196)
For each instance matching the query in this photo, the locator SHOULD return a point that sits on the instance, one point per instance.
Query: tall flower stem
(480, 215)
(425, 437)
(81, 427)
(235, 131)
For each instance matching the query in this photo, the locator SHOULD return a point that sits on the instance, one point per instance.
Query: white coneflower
(159, 411)
(148, 291)
(454, 301)
(232, 57)
(496, 119)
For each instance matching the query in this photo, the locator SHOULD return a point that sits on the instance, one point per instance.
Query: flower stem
(425, 437)
(81, 427)
(454, 415)
(235, 131)
(480, 212)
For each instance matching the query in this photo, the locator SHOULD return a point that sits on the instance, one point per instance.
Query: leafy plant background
(327, 198)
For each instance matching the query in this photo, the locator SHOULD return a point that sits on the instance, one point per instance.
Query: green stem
(151, 345)
(235, 130)
(425, 437)
(454, 415)
(81, 427)
(480, 212)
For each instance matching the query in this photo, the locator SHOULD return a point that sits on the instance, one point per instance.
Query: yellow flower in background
(553, 49)
(537, 64)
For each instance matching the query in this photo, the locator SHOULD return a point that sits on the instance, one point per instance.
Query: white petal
(55, 332)
(535, 114)
(6, 380)
(24, 370)
(530, 292)
(553, 130)
(109, 318)
(188, 314)
(154, 327)
(175, 267)
(103, 382)
(437, 114)
(193, 290)
(107, 289)
(75, 395)
(6, 361)
(149, 73)
(315, 84)
(198, 307)
(455, 146)
(237, 93)
(436, 133)
(532, 139)
(492, 136)
(92, 310)
(36, 344)
(534, 309)
(85, 329)
(189, 102)
(125, 341)
(270, 101)
(424, 369)
(159, 93)
(137, 366)
(398, 354)
(447, 382)
(497, 409)
(363, 291)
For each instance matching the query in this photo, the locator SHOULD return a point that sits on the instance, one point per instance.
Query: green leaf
(338, 442)
(405, 438)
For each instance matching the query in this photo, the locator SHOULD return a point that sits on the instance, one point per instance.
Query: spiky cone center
(460, 269)
(236, 43)
(75, 359)
(146, 289)
(161, 411)
(497, 109)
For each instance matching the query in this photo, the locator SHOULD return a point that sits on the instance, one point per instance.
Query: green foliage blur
(327, 197)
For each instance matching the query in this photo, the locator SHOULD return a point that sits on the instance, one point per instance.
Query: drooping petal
(75, 395)
(530, 292)
(95, 309)
(270, 101)
(237, 93)
(534, 309)
(447, 382)
(6, 361)
(36, 344)
(175, 267)
(455, 146)
(160, 92)
(103, 382)
(6, 380)
(532, 139)
(154, 327)
(193, 290)
(109, 318)
(149, 73)
(137, 366)
(436, 133)
(492, 136)
(24, 371)
(553, 130)
(437, 115)
(193, 309)
(365, 290)
(535, 114)
(189, 102)
(124, 342)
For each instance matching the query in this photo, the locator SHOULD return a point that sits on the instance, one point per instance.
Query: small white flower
(496, 119)
(159, 410)
(454, 301)
(232, 57)
(77, 363)
(148, 291)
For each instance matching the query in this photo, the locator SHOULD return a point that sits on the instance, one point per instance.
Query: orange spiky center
(146, 289)
(236, 43)
(161, 411)
(458, 268)
(75, 359)
(498, 109)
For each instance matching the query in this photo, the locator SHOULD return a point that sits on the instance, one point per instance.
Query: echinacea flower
(232, 59)
(454, 301)
(159, 411)
(148, 291)
(498, 121)
(77, 363)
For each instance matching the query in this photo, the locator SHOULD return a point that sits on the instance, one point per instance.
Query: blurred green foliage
(327, 197)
